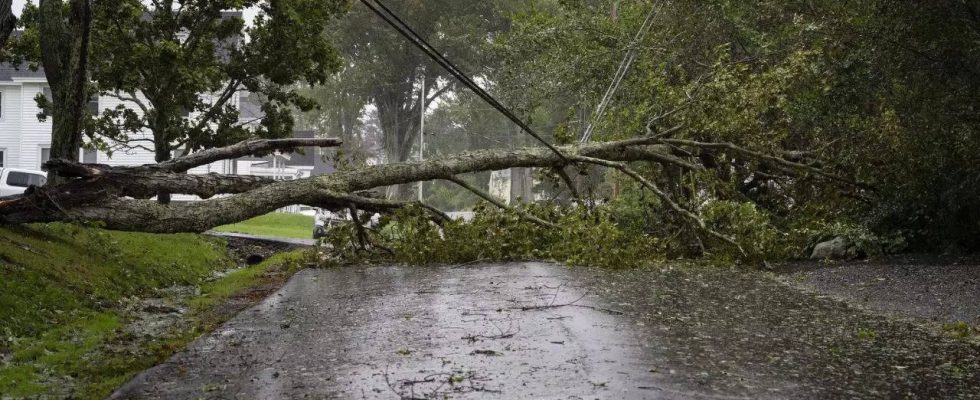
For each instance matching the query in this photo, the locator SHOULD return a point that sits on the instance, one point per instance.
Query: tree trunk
(398, 130)
(7, 21)
(163, 154)
(64, 53)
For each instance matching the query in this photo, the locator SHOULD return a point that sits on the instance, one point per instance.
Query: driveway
(533, 330)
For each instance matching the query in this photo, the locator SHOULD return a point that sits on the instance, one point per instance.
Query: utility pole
(422, 132)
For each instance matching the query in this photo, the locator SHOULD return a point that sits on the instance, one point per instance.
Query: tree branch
(493, 200)
(144, 183)
(226, 95)
(766, 157)
(663, 197)
(568, 182)
(258, 148)
(337, 190)
(436, 95)
(131, 98)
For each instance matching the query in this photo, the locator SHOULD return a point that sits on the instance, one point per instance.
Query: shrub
(583, 237)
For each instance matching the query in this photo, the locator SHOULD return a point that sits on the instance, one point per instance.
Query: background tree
(386, 71)
(54, 35)
(178, 65)
(876, 89)
(341, 113)
(64, 43)
(7, 21)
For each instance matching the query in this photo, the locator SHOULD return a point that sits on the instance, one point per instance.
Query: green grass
(54, 273)
(245, 278)
(60, 312)
(296, 226)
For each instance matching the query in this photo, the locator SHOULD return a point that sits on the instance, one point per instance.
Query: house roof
(9, 71)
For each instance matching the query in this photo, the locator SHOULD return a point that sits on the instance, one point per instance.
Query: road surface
(534, 330)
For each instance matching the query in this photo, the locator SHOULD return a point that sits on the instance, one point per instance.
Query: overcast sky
(17, 6)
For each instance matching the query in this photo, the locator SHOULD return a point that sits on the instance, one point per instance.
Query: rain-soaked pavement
(534, 330)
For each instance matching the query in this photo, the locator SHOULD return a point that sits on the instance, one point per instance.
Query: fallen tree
(118, 197)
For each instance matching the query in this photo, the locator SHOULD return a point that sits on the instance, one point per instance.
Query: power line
(624, 67)
(405, 30)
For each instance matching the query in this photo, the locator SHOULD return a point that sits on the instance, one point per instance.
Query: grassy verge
(296, 226)
(65, 329)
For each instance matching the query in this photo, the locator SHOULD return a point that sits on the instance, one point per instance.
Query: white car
(15, 181)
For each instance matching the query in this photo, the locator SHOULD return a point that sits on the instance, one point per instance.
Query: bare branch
(226, 95)
(493, 200)
(247, 148)
(436, 95)
(132, 99)
(766, 157)
(663, 197)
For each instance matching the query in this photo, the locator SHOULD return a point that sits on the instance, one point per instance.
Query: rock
(836, 249)
(180, 292)
(160, 306)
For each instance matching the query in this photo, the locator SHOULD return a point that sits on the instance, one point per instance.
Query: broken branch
(493, 200)
(663, 197)
(258, 148)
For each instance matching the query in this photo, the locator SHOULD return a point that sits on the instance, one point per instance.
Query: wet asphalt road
(535, 330)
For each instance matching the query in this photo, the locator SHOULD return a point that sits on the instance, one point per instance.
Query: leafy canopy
(181, 64)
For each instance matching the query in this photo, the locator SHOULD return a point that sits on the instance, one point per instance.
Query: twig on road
(574, 303)
(458, 382)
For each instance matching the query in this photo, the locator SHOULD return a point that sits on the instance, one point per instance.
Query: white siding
(34, 134)
(10, 120)
(23, 136)
(143, 156)
(131, 156)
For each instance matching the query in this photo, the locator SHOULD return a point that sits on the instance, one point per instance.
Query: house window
(90, 156)
(93, 105)
(45, 155)
(3, 158)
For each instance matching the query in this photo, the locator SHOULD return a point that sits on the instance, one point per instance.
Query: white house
(25, 142)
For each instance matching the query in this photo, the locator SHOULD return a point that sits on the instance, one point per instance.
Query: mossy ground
(62, 317)
(295, 226)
